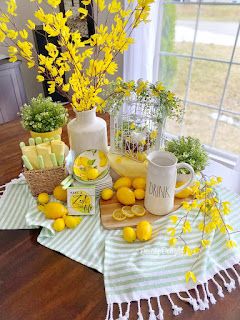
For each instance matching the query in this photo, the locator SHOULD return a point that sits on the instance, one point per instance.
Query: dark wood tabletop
(37, 283)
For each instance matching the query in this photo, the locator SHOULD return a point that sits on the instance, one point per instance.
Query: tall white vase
(87, 131)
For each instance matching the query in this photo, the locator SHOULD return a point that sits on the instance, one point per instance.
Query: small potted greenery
(43, 117)
(189, 150)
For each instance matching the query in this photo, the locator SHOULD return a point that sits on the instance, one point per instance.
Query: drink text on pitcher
(158, 191)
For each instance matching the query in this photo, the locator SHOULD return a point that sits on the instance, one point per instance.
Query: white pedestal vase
(87, 131)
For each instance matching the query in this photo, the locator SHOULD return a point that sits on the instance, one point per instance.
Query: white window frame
(222, 156)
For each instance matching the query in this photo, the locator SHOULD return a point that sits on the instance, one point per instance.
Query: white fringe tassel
(198, 303)
(160, 310)
(176, 310)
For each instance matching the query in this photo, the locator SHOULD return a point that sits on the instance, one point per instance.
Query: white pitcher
(161, 181)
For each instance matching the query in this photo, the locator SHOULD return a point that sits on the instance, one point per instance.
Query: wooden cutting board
(107, 208)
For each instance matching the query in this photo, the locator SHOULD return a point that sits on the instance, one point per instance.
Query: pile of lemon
(127, 190)
(143, 232)
(56, 210)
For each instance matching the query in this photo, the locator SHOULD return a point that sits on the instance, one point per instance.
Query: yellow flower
(132, 126)
(187, 250)
(231, 244)
(40, 78)
(153, 134)
(205, 243)
(186, 205)
(190, 275)
(172, 242)
(24, 34)
(11, 7)
(31, 25)
(187, 227)
(114, 6)
(66, 87)
(12, 34)
(172, 231)
(174, 219)
(54, 3)
(100, 4)
(84, 13)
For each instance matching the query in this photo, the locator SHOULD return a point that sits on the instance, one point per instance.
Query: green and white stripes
(141, 270)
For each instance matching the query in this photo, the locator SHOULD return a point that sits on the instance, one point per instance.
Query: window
(200, 61)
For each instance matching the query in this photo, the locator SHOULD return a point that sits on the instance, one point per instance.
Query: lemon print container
(90, 166)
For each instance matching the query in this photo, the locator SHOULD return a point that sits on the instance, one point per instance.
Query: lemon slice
(118, 215)
(127, 211)
(138, 210)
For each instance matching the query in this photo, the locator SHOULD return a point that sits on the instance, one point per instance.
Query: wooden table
(39, 284)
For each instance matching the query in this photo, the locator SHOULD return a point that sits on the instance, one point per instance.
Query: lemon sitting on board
(54, 210)
(122, 182)
(125, 196)
(139, 183)
(185, 192)
(127, 210)
(118, 215)
(139, 194)
(144, 231)
(129, 234)
(59, 224)
(107, 194)
(60, 194)
(138, 210)
(71, 221)
(43, 198)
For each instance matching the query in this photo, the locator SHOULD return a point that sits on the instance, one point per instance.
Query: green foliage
(146, 94)
(168, 64)
(189, 150)
(43, 115)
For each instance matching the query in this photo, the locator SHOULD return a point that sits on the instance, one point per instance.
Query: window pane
(207, 82)
(228, 133)
(232, 96)
(174, 36)
(236, 57)
(217, 30)
(199, 122)
(173, 74)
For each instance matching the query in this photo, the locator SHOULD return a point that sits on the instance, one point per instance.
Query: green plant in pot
(189, 150)
(43, 117)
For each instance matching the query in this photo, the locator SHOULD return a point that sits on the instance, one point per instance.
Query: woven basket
(44, 180)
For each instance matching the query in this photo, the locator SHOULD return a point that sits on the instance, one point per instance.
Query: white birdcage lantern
(137, 128)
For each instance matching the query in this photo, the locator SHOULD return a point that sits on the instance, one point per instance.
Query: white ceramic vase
(87, 131)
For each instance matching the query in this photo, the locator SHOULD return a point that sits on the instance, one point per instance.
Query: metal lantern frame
(137, 127)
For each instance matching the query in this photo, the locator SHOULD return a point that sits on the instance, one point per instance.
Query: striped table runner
(147, 271)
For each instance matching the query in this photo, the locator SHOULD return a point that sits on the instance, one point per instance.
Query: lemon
(125, 196)
(92, 173)
(118, 215)
(60, 194)
(71, 221)
(141, 156)
(139, 194)
(43, 198)
(103, 162)
(127, 211)
(184, 193)
(58, 225)
(138, 210)
(82, 161)
(129, 234)
(139, 183)
(144, 231)
(54, 210)
(41, 207)
(122, 182)
(107, 194)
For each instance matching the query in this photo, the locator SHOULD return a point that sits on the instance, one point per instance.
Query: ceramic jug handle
(192, 175)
